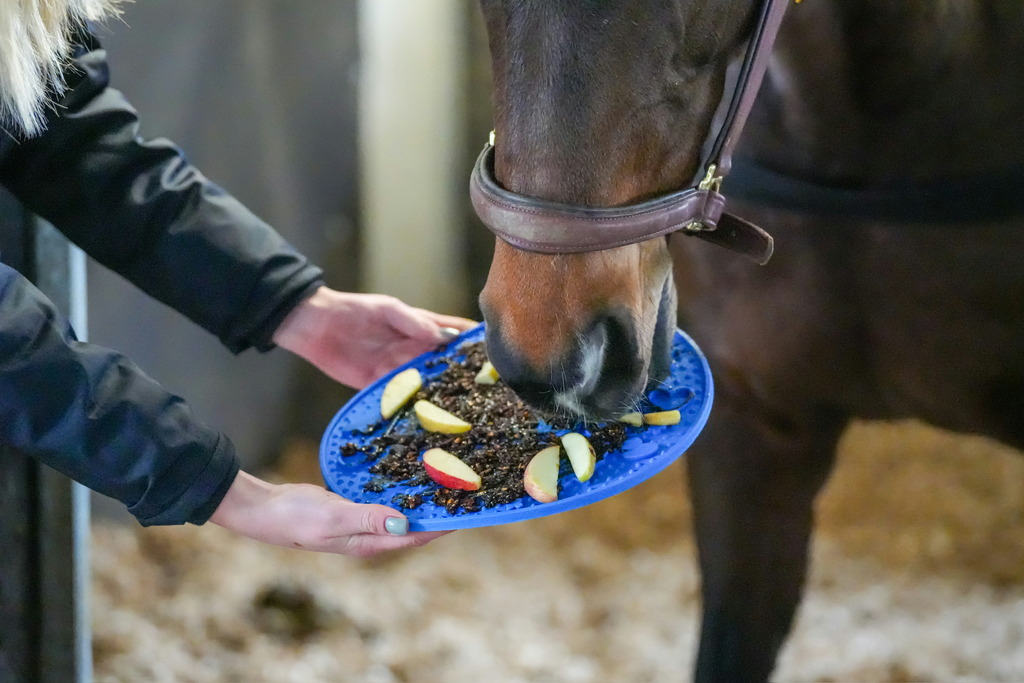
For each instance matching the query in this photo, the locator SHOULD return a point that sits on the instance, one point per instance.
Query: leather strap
(740, 236)
(748, 82)
(993, 195)
(553, 228)
(538, 225)
(549, 227)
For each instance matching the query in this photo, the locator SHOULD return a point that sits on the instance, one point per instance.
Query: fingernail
(397, 526)
(449, 332)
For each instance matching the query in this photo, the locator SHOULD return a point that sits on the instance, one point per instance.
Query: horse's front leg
(753, 478)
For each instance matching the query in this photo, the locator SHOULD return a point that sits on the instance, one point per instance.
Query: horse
(883, 154)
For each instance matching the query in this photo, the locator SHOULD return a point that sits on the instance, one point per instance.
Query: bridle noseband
(548, 227)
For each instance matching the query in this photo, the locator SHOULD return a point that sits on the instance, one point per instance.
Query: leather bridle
(548, 227)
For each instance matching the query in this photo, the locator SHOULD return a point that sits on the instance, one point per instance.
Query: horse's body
(854, 316)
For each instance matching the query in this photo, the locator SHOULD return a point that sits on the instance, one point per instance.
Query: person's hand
(312, 518)
(356, 338)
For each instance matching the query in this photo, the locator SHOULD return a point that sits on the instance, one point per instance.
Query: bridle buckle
(711, 181)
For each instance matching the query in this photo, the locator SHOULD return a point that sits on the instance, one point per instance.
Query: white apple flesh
(581, 455)
(662, 418)
(434, 418)
(633, 419)
(487, 374)
(540, 480)
(399, 390)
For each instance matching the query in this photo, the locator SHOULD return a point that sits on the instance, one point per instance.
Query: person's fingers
(424, 324)
(453, 321)
(367, 529)
(354, 518)
(368, 545)
(403, 351)
(411, 321)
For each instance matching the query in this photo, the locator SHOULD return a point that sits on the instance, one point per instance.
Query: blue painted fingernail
(449, 332)
(397, 526)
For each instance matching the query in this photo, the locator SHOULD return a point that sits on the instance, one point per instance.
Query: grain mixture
(505, 434)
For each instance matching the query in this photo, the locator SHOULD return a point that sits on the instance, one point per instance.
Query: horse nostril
(611, 366)
(620, 347)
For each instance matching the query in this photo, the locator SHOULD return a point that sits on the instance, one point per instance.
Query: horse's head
(597, 104)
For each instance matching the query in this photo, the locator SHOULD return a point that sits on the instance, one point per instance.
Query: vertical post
(479, 121)
(19, 586)
(63, 527)
(412, 171)
(44, 517)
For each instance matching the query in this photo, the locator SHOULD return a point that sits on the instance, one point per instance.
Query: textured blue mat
(646, 451)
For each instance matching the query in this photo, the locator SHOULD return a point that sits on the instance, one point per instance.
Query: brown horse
(885, 154)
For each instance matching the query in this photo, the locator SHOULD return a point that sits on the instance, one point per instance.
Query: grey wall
(261, 96)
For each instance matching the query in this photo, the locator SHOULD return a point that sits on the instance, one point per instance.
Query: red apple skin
(447, 479)
(538, 493)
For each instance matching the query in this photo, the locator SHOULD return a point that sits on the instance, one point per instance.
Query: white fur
(570, 400)
(33, 50)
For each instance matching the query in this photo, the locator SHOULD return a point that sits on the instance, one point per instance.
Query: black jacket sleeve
(90, 413)
(140, 208)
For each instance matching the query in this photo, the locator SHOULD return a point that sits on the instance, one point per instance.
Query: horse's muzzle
(602, 375)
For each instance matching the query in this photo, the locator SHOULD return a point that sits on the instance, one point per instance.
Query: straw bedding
(918, 575)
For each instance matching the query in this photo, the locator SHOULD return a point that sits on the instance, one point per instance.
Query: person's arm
(356, 338)
(90, 413)
(140, 208)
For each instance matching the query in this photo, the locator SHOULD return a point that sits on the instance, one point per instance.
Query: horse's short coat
(854, 317)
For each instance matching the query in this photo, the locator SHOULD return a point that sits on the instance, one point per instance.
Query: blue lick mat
(646, 451)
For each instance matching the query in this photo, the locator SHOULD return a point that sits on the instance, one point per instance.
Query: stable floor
(918, 576)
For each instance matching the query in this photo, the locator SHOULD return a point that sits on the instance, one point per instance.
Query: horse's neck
(893, 89)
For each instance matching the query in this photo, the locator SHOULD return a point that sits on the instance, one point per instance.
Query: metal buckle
(711, 183)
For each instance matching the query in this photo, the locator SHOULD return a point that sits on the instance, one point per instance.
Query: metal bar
(19, 576)
(44, 517)
(65, 652)
(19, 624)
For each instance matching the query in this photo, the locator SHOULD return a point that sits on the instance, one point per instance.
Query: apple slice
(581, 455)
(399, 390)
(664, 417)
(541, 476)
(436, 419)
(449, 471)
(633, 419)
(487, 374)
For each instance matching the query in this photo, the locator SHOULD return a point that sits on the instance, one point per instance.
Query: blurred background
(351, 127)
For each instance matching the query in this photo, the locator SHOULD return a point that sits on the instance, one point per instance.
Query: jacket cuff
(199, 501)
(261, 336)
